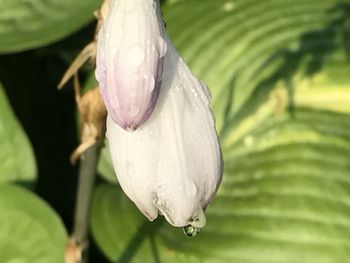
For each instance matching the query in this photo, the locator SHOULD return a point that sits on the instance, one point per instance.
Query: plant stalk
(87, 174)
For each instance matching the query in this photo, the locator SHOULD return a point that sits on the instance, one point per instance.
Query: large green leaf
(26, 24)
(120, 240)
(29, 230)
(278, 71)
(16, 156)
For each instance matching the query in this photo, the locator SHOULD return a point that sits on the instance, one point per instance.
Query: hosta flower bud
(130, 52)
(171, 164)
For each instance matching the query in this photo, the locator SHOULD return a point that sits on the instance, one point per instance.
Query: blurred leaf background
(279, 73)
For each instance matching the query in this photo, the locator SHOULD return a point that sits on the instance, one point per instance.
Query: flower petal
(130, 52)
(173, 162)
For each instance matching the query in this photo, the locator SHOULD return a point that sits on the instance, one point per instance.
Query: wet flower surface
(129, 60)
(171, 164)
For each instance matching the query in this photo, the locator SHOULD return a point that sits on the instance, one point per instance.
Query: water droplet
(152, 83)
(163, 47)
(135, 55)
(154, 5)
(191, 189)
(191, 231)
(159, 203)
(199, 219)
(249, 140)
(229, 6)
(195, 224)
(133, 111)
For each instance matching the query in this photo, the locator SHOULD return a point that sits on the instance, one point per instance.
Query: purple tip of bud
(130, 105)
(130, 54)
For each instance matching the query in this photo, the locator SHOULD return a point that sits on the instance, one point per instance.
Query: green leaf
(29, 230)
(278, 72)
(26, 24)
(16, 156)
(116, 240)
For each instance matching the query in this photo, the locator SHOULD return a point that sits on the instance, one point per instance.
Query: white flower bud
(171, 164)
(130, 52)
